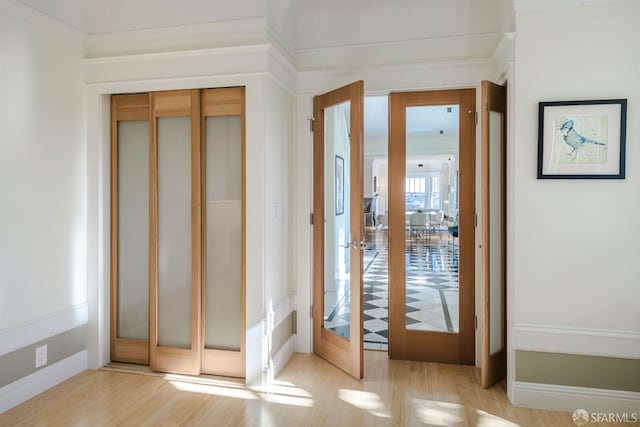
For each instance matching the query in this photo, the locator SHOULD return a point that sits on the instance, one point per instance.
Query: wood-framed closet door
(130, 228)
(175, 232)
(338, 227)
(412, 337)
(494, 242)
(223, 224)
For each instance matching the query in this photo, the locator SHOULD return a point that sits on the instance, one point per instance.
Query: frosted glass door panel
(337, 220)
(495, 230)
(133, 229)
(174, 232)
(223, 233)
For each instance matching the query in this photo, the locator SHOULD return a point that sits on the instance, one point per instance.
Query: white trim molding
(504, 55)
(15, 338)
(283, 355)
(283, 309)
(25, 388)
(230, 61)
(580, 341)
(526, 5)
(566, 398)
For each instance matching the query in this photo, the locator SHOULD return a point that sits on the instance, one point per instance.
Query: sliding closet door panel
(130, 228)
(223, 234)
(175, 242)
(133, 229)
(223, 222)
(174, 232)
(177, 230)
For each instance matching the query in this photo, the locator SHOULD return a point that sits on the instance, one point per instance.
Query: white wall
(43, 286)
(278, 140)
(42, 168)
(576, 242)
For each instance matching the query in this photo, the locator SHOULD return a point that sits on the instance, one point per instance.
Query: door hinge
(476, 220)
(311, 312)
(476, 117)
(476, 322)
(311, 121)
(311, 218)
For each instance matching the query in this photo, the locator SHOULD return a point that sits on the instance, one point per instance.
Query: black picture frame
(582, 139)
(339, 184)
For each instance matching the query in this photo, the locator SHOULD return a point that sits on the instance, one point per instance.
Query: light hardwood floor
(308, 392)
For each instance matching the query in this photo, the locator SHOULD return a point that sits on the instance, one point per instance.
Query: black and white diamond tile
(431, 289)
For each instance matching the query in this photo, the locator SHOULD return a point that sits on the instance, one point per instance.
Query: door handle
(354, 244)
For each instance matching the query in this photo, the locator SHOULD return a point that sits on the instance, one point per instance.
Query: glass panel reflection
(431, 212)
(337, 236)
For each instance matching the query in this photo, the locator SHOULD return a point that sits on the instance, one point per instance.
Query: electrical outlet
(41, 356)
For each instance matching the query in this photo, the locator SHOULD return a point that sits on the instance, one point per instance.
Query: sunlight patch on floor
(234, 392)
(438, 413)
(280, 392)
(366, 401)
(486, 419)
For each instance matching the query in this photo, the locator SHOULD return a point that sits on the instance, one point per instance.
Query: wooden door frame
(347, 355)
(427, 345)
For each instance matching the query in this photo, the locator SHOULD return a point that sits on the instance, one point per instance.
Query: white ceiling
(303, 23)
(422, 122)
(109, 16)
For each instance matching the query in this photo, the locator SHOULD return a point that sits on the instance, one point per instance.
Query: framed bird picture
(582, 139)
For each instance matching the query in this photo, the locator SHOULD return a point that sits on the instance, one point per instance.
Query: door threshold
(131, 368)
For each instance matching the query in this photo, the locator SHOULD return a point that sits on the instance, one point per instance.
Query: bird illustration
(574, 140)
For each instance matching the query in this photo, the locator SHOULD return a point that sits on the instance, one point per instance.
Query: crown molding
(529, 5)
(280, 43)
(504, 54)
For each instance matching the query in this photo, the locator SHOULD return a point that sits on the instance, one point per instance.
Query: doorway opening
(431, 206)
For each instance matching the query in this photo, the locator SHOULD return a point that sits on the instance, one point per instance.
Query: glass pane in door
(431, 214)
(223, 233)
(337, 235)
(133, 229)
(495, 230)
(174, 232)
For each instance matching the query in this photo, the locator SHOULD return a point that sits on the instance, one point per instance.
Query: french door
(338, 227)
(177, 230)
(494, 131)
(431, 281)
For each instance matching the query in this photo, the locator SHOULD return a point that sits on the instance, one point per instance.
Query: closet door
(223, 217)
(130, 228)
(175, 232)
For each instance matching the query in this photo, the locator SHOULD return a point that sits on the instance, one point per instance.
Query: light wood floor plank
(309, 392)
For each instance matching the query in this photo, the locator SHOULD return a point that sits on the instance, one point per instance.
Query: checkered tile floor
(432, 289)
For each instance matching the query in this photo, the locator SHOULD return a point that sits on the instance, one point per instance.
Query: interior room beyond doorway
(431, 207)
